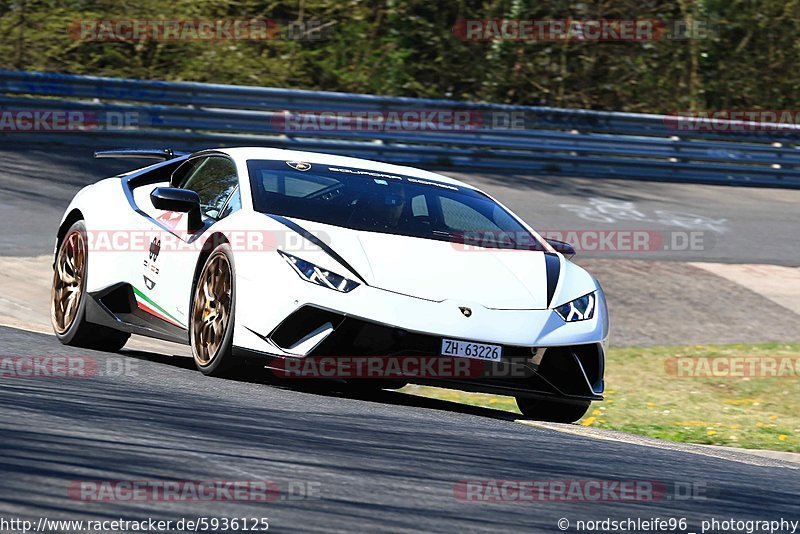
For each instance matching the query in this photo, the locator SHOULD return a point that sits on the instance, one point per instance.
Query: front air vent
(573, 370)
(305, 329)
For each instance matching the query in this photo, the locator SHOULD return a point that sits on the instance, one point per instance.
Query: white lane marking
(608, 210)
(761, 458)
(35, 329)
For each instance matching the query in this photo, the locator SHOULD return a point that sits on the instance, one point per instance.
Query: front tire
(552, 411)
(213, 307)
(68, 297)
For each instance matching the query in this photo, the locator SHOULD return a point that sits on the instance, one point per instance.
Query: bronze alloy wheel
(211, 309)
(68, 277)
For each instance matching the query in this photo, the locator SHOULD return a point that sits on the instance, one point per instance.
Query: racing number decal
(150, 268)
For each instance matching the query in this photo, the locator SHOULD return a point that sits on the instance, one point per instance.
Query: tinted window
(378, 202)
(419, 206)
(214, 179)
(185, 169)
(461, 216)
(295, 186)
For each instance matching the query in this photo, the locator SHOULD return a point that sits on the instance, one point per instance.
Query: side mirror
(180, 200)
(564, 248)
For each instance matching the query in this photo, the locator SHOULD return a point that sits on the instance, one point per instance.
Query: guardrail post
(780, 163)
(676, 148)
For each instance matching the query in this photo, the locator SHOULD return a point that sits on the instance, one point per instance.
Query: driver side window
(214, 179)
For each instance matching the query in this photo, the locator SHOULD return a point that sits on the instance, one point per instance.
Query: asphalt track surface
(383, 463)
(389, 462)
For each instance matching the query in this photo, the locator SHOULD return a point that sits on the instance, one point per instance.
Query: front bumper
(570, 372)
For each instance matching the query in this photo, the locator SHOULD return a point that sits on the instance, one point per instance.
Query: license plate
(468, 349)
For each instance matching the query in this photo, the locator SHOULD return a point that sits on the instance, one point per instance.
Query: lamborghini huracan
(279, 257)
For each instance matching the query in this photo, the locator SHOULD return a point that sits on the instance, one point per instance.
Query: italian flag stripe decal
(146, 304)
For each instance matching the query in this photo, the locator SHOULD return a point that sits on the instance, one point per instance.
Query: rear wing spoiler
(163, 154)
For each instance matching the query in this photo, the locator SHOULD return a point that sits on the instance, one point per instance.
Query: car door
(171, 265)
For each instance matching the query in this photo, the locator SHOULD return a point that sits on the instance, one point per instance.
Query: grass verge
(650, 393)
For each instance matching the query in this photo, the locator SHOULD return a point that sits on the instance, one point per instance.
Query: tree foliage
(408, 48)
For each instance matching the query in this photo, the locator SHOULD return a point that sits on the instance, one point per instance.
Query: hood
(440, 270)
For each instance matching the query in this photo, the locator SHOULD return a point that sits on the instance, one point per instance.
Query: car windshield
(373, 201)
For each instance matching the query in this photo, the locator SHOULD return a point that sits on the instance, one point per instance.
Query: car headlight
(317, 275)
(580, 309)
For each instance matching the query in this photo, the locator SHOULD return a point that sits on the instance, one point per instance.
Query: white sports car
(295, 258)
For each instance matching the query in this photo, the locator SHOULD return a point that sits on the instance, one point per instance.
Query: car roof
(248, 153)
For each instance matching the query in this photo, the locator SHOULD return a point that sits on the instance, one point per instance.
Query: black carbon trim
(115, 307)
(265, 338)
(553, 268)
(163, 154)
(317, 241)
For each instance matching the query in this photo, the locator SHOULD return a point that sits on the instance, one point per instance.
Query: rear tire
(552, 411)
(213, 308)
(68, 297)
